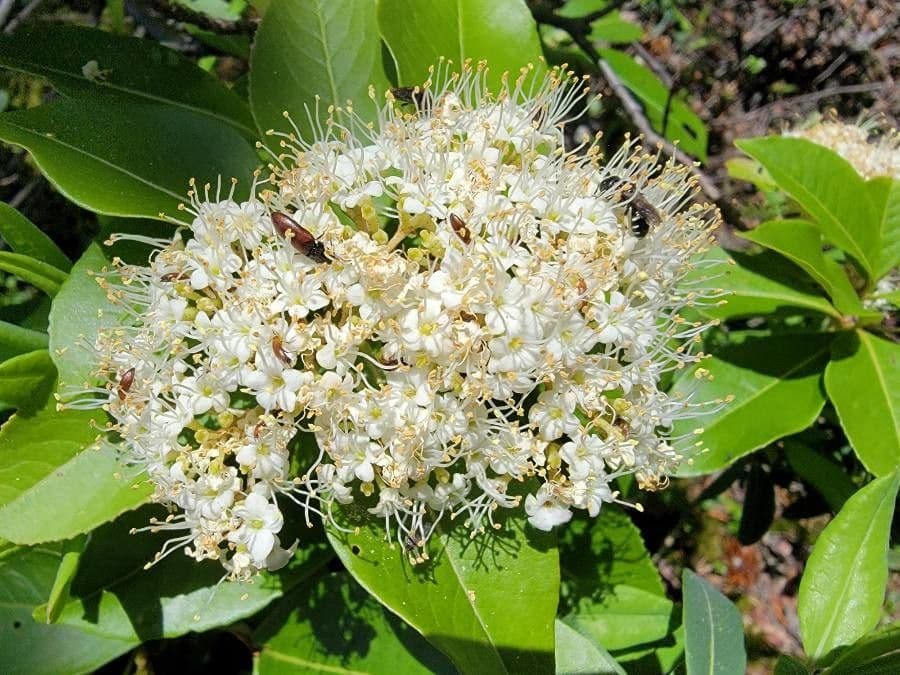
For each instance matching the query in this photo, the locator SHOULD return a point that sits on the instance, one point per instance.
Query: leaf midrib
(864, 338)
(90, 155)
(43, 70)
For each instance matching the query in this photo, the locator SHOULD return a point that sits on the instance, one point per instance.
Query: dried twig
(579, 32)
(183, 14)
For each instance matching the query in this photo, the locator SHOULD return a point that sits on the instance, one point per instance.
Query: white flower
(544, 512)
(261, 522)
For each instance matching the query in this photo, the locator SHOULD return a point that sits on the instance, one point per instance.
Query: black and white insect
(641, 214)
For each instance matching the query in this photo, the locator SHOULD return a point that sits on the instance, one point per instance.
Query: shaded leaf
(501, 32)
(825, 475)
(615, 29)
(842, 589)
(127, 159)
(759, 506)
(333, 625)
(827, 187)
(714, 633)
(681, 125)
(42, 276)
(476, 581)
(71, 551)
(16, 340)
(26, 577)
(82, 61)
(318, 48)
(777, 390)
(873, 654)
(26, 238)
(861, 381)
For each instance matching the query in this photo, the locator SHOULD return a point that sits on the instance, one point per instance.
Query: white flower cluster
(466, 317)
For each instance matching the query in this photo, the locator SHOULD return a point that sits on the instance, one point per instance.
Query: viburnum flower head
(465, 315)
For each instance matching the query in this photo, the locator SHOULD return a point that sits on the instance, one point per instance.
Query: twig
(23, 193)
(579, 33)
(183, 14)
(21, 16)
(5, 6)
(814, 96)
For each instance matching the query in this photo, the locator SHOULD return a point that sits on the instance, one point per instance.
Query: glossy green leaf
(801, 242)
(71, 551)
(78, 60)
(777, 390)
(682, 124)
(500, 32)
(79, 312)
(26, 238)
(26, 380)
(623, 617)
(752, 285)
(501, 589)
(826, 476)
(15, 340)
(827, 187)
(333, 625)
(51, 487)
(885, 195)
(842, 589)
(317, 49)
(714, 633)
(875, 654)
(862, 383)
(42, 276)
(114, 596)
(26, 577)
(127, 159)
(577, 654)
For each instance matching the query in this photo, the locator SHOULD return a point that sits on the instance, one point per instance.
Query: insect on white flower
(448, 299)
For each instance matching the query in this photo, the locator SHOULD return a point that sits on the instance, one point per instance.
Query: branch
(579, 31)
(182, 14)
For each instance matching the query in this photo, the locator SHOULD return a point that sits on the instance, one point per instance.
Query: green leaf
(501, 32)
(318, 48)
(26, 381)
(65, 574)
(51, 488)
(24, 237)
(751, 171)
(42, 276)
(26, 577)
(825, 475)
(598, 554)
(333, 625)
(127, 159)
(861, 381)
(682, 124)
(577, 654)
(885, 195)
(714, 633)
(501, 588)
(614, 29)
(753, 285)
(788, 665)
(842, 589)
(114, 596)
(827, 187)
(15, 340)
(777, 390)
(82, 61)
(623, 617)
(801, 242)
(874, 654)
(79, 312)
